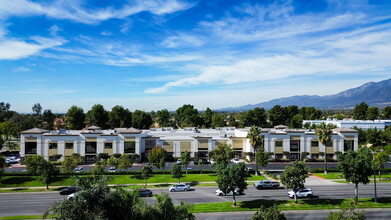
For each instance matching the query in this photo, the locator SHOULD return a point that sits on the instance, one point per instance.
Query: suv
(266, 184)
(302, 193)
(236, 160)
(179, 187)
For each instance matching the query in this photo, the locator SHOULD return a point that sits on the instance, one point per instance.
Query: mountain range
(373, 93)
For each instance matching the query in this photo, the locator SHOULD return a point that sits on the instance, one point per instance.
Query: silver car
(221, 193)
(179, 187)
(302, 193)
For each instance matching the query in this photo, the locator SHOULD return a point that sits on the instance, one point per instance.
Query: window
(329, 143)
(314, 156)
(295, 145)
(30, 148)
(314, 143)
(52, 145)
(278, 143)
(108, 145)
(348, 145)
(68, 146)
(130, 147)
(90, 147)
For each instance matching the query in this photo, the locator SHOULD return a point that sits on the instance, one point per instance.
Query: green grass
(290, 205)
(193, 179)
(340, 176)
(22, 217)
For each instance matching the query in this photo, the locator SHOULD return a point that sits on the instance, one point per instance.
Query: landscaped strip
(290, 205)
(194, 179)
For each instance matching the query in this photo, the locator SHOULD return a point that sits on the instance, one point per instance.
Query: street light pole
(374, 176)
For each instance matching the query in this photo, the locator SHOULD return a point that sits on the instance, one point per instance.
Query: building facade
(363, 124)
(279, 141)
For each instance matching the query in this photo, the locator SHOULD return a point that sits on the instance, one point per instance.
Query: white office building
(363, 124)
(92, 141)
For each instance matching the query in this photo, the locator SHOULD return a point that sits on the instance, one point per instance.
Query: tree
(372, 113)
(163, 118)
(222, 154)
(297, 121)
(113, 161)
(70, 163)
(32, 163)
(125, 162)
(324, 133)
(269, 213)
(37, 109)
(187, 116)
(165, 210)
(218, 121)
(75, 118)
(380, 159)
(4, 109)
(176, 172)
(57, 157)
(231, 179)
(47, 172)
(256, 141)
(97, 116)
(360, 111)
(155, 155)
(99, 168)
(141, 120)
(357, 167)
(146, 172)
(7, 128)
(350, 214)
(207, 117)
(263, 157)
(254, 117)
(103, 156)
(2, 165)
(276, 115)
(387, 112)
(119, 117)
(162, 164)
(294, 176)
(48, 117)
(199, 166)
(373, 136)
(185, 160)
(96, 201)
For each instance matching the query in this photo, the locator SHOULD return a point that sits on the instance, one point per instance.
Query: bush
(270, 213)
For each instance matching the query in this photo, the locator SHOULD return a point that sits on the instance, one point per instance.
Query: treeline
(12, 123)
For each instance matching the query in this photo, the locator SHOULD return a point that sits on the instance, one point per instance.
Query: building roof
(131, 131)
(93, 127)
(34, 131)
(345, 130)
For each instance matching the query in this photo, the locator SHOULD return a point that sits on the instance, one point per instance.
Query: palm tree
(255, 141)
(324, 132)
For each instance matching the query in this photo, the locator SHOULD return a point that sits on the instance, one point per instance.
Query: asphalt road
(37, 203)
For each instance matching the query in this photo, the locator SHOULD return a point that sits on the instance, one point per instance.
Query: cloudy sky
(155, 54)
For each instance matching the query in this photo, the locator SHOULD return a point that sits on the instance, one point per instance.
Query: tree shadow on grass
(333, 202)
(20, 180)
(382, 200)
(136, 176)
(255, 204)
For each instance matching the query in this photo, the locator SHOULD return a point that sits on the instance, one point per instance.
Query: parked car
(221, 193)
(145, 193)
(266, 184)
(195, 161)
(78, 169)
(249, 168)
(69, 190)
(178, 162)
(212, 161)
(236, 160)
(179, 187)
(112, 169)
(302, 193)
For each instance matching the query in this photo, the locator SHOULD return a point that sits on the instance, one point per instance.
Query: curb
(318, 176)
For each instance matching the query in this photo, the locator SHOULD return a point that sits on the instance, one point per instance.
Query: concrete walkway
(317, 181)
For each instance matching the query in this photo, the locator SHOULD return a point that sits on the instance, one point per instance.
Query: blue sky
(156, 54)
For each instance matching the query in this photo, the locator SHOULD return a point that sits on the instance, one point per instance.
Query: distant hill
(373, 93)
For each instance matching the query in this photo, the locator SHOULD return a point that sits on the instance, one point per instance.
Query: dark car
(69, 190)
(145, 193)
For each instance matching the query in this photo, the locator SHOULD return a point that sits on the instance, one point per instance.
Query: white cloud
(53, 30)
(12, 49)
(21, 69)
(182, 40)
(74, 10)
(106, 33)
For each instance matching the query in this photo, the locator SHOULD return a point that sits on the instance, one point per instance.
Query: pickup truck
(266, 184)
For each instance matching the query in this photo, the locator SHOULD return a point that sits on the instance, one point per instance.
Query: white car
(212, 161)
(178, 162)
(112, 169)
(71, 196)
(78, 169)
(221, 193)
(302, 193)
(236, 160)
(179, 187)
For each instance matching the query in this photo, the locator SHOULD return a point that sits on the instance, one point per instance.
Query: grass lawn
(22, 217)
(290, 205)
(340, 176)
(193, 179)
